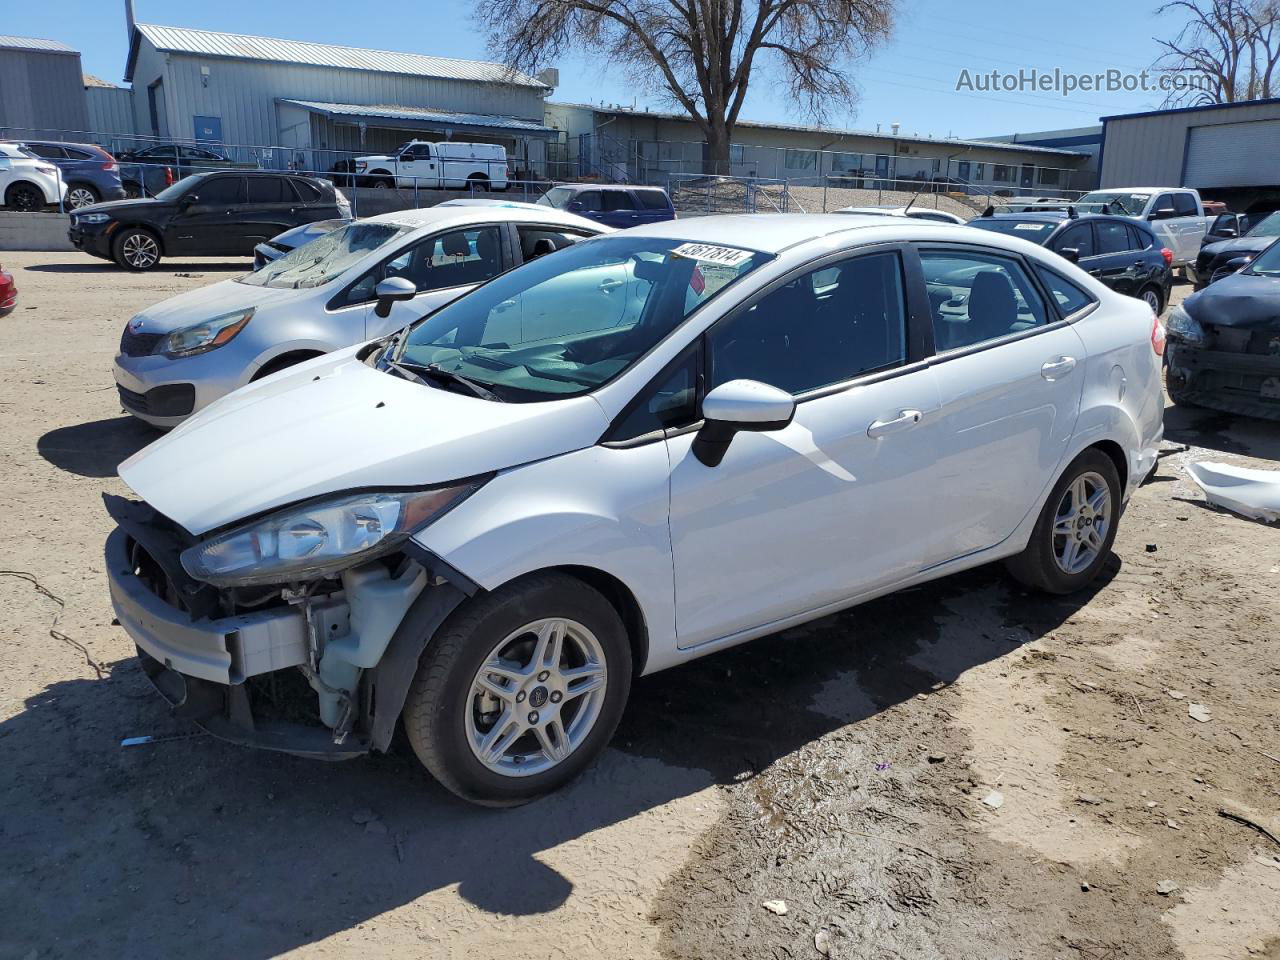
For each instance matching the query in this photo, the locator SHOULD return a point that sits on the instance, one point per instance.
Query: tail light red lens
(110, 165)
(1168, 256)
(168, 176)
(1157, 336)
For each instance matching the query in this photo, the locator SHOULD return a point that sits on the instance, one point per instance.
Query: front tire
(136, 249)
(1076, 528)
(25, 198)
(520, 690)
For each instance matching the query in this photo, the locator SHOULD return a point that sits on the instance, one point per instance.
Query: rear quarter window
(653, 200)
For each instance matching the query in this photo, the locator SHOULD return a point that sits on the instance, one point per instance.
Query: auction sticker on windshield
(708, 253)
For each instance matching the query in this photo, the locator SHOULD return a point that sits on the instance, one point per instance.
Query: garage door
(1233, 155)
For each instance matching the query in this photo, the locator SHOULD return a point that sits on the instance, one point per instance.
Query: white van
(438, 166)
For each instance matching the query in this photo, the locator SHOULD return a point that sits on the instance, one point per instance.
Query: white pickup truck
(1176, 214)
(441, 166)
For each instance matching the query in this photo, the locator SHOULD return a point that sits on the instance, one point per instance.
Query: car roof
(443, 214)
(607, 186)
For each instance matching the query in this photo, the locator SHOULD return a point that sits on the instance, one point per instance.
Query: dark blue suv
(611, 204)
(90, 173)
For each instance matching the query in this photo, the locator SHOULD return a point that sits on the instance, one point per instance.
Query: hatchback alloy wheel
(80, 196)
(1152, 300)
(536, 697)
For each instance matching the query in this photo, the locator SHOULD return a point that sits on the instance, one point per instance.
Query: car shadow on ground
(1223, 432)
(166, 266)
(95, 449)
(223, 851)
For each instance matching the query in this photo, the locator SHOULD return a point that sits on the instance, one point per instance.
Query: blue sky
(911, 80)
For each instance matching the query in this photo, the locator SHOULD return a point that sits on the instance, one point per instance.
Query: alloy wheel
(1153, 300)
(25, 198)
(78, 197)
(1081, 523)
(140, 251)
(536, 697)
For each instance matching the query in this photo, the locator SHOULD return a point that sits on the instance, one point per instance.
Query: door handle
(607, 285)
(905, 420)
(1053, 369)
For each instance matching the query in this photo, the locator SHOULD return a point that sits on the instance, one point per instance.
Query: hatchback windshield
(556, 197)
(568, 322)
(325, 258)
(1129, 204)
(1037, 231)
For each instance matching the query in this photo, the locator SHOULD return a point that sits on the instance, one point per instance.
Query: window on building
(800, 159)
(1049, 176)
(737, 153)
(980, 173)
(1001, 174)
(846, 162)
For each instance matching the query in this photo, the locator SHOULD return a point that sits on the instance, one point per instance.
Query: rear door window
(1139, 238)
(1113, 237)
(1070, 298)
(978, 297)
(590, 200)
(617, 200)
(74, 154)
(1080, 237)
(653, 199)
(221, 191)
(268, 190)
(452, 259)
(536, 241)
(308, 192)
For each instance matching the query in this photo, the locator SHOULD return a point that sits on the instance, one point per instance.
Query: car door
(211, 226)
(1117, 262)
(442, 266)
(619, 208)
(838, 502)
(1008, 374)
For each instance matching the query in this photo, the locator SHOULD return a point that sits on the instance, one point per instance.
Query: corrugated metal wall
(111, 111)
(243, 93)
(41, 93)
(1149, 150)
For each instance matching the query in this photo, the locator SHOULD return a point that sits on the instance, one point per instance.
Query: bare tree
(702, 52)
(1233, 44)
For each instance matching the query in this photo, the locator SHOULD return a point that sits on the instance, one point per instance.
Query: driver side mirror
(1070, 253)
(1229, 233)
(739, 405)
(188, 200)
(574, 206)
(390, 290)
(1164, 213)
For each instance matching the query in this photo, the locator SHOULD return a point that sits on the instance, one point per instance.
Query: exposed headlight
(314, 540)
(92, 217)
(1180, 325)
(202, 337)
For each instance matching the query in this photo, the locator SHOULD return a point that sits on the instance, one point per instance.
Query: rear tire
(478, 183)
(132, 191)
(82, 195)
(136, 249)
(24, 197)
(1076, 528)
(530, 712)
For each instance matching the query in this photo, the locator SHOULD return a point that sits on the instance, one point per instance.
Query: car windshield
(1268, 226)
(557, 197)
(1267, 263)
(571, 321)
(1037, 231)
(325, 258)
(1129, 204)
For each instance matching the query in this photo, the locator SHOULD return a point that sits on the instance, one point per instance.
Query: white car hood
(196, 306)
(334, 424)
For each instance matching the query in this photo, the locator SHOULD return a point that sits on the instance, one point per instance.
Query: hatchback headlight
(209, 335)
(92, 217)
(1181, 325)
(313, 540)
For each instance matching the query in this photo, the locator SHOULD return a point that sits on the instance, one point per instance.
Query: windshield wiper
(439, 373)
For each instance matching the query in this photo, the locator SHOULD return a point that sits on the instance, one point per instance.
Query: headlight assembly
(1180, 325)
(314, 540)
(209, 335)
(93, 217)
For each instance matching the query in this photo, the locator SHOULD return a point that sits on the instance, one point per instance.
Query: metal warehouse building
(321, 100)
(41, 87)
(1228, 151)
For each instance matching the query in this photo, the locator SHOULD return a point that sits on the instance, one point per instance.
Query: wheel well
(1114, 451)
(24, 183)
(478, 176)
(624, 601)
(284, 360)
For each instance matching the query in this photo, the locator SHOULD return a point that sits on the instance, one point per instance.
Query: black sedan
(1224, 342)
(1215, 256)
(205, 215)
(1121, 252)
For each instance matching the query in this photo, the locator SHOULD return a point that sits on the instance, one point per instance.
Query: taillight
(110, 166)
(168, 177)
(1168, 256)
(1157, 336)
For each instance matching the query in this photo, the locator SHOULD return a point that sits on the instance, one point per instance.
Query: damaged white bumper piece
(1251, 493)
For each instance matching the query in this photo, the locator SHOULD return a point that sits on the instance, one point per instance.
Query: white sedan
(486, 526)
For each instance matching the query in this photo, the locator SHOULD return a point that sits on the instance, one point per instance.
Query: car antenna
(913, 197)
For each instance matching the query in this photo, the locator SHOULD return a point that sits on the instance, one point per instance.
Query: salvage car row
(467, 471)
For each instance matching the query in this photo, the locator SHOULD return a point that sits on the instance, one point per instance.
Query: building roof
(35, 43)
(803, 128)
(241, 46)
(91, 81)
(1204, 106)
(425, 117)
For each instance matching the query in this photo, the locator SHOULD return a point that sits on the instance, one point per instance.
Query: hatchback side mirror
(739, 405)
(1070, 253)
(390, 290)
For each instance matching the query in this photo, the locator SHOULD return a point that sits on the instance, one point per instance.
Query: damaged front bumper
(1236, 382)
(308, 678)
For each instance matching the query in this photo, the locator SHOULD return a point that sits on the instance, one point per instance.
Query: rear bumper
(1243, 383)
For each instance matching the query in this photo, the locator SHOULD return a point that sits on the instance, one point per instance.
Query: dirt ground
(963, 770)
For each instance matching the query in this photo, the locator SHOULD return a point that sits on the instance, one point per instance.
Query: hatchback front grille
(139, 344)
